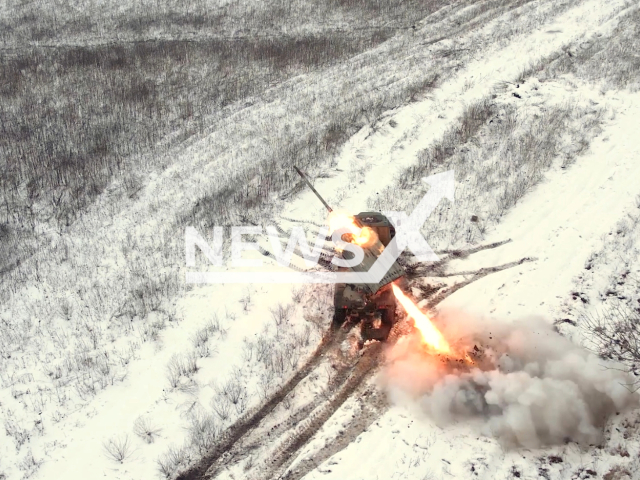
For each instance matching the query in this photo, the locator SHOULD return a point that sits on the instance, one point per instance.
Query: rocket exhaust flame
(430, 334)
(360, 236)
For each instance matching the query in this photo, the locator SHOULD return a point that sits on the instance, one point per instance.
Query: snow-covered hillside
(113, 367)
(561, 223)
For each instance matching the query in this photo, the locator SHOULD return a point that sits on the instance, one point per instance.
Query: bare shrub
(28, 465)
(221, 407)
(203, 432)
(165, 467)
(279, 361)
(181, 365)
(246, 301)
(281, 314)
(19, 434)
(302, 339)
(202, 336)
(204, 351)
(263, 349)
(242, 403)
(614, 334)
(118, 448)
(190, 365)
(234, 388)
(292, 355)
(429, 475)
(248, 349)
(146, 430)
(188, 386)
(172, 460)
(66, 309)
(173, 372)
(248, 465)
(215, 326)
(266, 384)
(298, 293)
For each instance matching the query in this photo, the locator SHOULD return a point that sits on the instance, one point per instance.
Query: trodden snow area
(134, 345)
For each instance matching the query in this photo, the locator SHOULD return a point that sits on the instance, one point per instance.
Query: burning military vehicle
(373, 305)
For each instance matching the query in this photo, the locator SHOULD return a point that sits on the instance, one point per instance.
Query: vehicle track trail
(372, 405)
(243, 437)
(257, 437)
(285, 452)
(372, 408)
(252, 419)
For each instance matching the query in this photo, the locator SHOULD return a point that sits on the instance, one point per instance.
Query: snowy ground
(560, 225)
(560, 222)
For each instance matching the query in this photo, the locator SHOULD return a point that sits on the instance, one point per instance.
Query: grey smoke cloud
(533, 387)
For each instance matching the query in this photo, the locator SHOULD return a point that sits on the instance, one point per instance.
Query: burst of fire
(430, 334)
(360, 236)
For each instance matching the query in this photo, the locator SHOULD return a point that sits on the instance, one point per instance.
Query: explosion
(364, 236)
(532, 386)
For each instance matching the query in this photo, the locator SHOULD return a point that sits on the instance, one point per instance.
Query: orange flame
(430, 334)
(339, 220)
(359, 236)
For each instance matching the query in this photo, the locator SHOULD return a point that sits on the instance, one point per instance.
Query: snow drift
(530, 386)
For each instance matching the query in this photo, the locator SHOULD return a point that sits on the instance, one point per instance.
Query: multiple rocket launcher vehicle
(371, 305)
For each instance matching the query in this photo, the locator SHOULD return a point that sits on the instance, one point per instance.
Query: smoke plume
(529, 385)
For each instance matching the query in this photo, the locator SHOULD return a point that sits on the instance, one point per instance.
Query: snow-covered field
(113, 367)
(560, 224)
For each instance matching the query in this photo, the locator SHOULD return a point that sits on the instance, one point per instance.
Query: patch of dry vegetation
(73, 118)
(48, 22)
(496, 149)
(246, 194)
(612, 280)
(612, 61)
(498, 154)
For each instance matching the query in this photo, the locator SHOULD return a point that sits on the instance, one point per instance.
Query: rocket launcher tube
(313, 189)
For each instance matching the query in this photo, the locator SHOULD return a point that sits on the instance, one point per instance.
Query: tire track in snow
(254, 439)
(285, 453)
(365, 370)
(253, 418)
